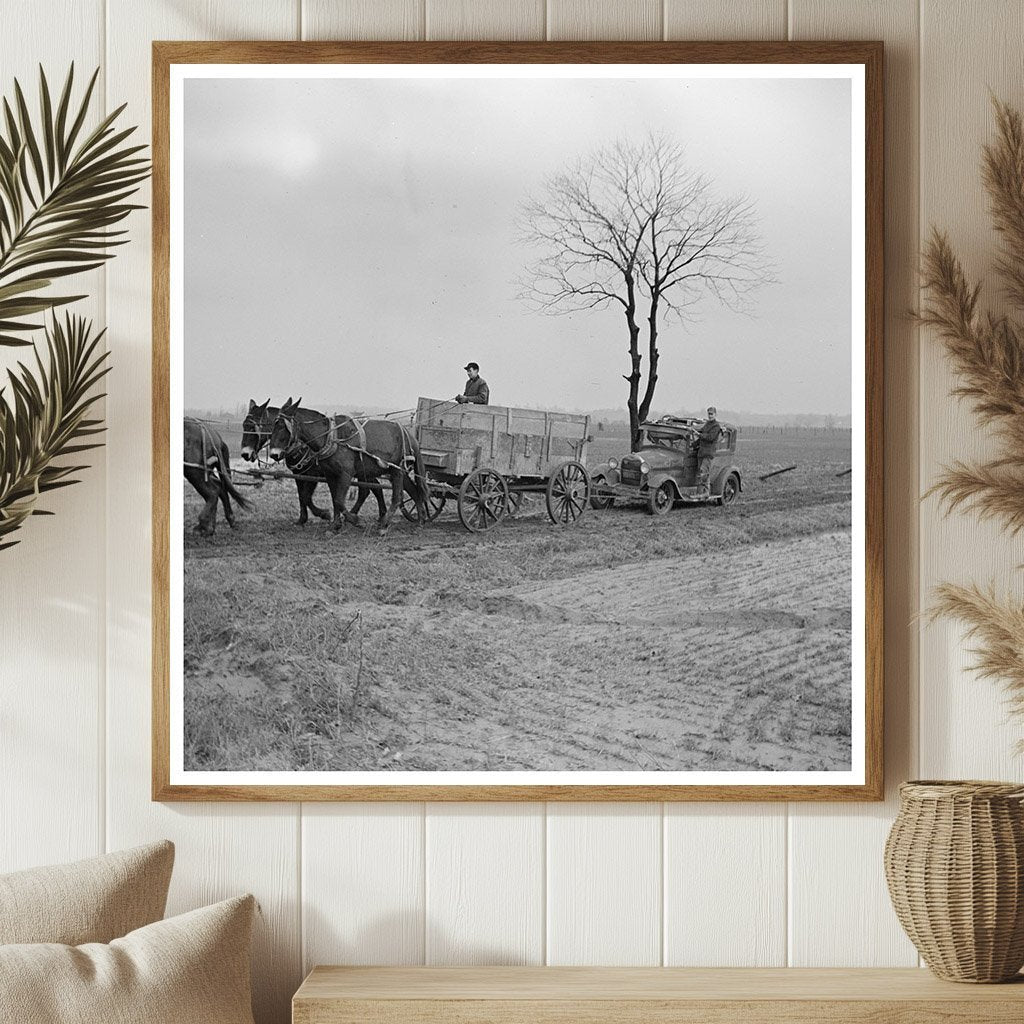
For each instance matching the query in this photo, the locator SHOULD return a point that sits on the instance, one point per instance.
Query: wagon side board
(457, 439)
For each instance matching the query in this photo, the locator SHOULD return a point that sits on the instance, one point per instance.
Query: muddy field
(703, 639)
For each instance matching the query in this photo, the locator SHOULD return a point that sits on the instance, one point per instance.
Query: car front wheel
(660, 500)
(597, 500)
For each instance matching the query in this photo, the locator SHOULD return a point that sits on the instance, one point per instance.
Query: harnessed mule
(256, 430)
(208, 470)
(350, 450)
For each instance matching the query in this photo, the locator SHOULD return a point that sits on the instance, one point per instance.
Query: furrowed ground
(715, 639)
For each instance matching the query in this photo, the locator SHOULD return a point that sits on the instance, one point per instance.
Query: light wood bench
(644, 995)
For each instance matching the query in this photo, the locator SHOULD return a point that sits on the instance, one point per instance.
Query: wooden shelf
(633, 995)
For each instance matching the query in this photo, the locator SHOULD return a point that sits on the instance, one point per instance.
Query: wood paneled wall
(509, 883)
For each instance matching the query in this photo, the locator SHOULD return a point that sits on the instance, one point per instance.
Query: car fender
(718, 483)
(657, 477)
(611, 476)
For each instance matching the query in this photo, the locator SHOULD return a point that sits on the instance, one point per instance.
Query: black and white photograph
(523, 418)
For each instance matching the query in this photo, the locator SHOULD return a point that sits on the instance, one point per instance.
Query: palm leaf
(45, 419)
(62, 191)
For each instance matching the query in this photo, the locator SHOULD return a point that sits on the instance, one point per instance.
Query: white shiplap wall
(508, 883)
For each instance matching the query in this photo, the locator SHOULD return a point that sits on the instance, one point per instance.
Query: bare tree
(634, 226)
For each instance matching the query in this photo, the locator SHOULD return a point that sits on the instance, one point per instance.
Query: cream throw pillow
(93, 900)
(191, 969)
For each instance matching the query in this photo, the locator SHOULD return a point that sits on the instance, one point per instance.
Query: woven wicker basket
(954, 861)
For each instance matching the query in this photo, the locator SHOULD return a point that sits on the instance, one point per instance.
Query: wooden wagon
(487, 456)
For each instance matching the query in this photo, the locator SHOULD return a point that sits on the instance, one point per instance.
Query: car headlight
(644, 468)
(613, 463)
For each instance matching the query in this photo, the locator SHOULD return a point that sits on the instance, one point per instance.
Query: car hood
(657, 458)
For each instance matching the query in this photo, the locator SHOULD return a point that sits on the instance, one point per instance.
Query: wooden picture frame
(868, 56)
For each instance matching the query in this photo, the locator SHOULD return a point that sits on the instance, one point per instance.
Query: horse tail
(233, 491)
(224, 472)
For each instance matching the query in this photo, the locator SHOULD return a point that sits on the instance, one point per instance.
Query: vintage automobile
(663, 469)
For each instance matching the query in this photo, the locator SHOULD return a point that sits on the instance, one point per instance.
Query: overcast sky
(353, 241)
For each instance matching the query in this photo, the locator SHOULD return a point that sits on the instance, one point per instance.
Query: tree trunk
(634, 358)
(652, 357)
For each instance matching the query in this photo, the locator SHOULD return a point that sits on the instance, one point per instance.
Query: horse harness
(309, 456)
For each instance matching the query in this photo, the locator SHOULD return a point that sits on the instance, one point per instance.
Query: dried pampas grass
(995, 629)
(987, 354)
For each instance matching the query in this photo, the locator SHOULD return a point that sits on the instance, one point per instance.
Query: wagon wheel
(567, 493)
(435, 503)
(483, 500)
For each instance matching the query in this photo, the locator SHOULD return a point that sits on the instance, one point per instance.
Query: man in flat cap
(477, 391)
(707, 445)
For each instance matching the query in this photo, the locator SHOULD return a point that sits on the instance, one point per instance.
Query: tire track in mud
(567, 696)
(792, 584)
(528, 610)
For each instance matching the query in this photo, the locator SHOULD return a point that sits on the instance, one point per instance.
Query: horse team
(341, 451)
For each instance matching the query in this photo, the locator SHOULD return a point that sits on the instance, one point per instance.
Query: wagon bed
(488, 456)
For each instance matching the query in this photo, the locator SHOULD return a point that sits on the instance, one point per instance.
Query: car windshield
(655, 438)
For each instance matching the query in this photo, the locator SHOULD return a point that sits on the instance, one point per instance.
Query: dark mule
(208, 470)
(351, 450)
(256, 428)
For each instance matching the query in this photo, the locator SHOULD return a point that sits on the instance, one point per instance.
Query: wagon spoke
(483, 500)
(563, 493)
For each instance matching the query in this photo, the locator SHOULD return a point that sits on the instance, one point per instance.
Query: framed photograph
(530, 403)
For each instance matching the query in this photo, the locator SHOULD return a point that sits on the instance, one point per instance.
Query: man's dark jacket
(477, 392)
(709, 435)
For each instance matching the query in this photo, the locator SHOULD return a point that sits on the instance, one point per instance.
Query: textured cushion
(192, 969)
(93, 900)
